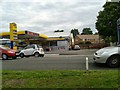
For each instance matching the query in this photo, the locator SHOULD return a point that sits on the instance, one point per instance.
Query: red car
(6, 52)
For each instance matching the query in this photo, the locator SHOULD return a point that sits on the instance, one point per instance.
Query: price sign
(13, 32)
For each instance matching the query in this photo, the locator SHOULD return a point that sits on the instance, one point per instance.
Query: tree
(107, 21)
(75, 32)
(86, 31)
(96, 33)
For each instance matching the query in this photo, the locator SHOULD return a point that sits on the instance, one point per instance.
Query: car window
(27, 47)
(33, 46)
(4, 47)
(30, 46)
(39, 46)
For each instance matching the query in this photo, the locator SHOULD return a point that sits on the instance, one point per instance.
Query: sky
(46, 16)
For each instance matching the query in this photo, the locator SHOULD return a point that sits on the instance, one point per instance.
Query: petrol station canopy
(25, 35)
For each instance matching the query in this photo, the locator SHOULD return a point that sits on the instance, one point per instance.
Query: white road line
(85, 55)
(51, 54)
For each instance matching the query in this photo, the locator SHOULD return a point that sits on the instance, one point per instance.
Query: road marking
(85, 55)
(76, 55)
(51, 54)
(57, 55)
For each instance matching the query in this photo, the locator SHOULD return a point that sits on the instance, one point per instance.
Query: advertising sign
(13, 34)
(13, 31)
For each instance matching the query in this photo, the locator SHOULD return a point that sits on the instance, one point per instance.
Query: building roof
(88, 36)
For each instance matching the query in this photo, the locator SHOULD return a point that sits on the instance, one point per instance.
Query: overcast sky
(46, 16)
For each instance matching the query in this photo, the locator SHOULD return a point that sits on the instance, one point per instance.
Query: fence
(93, 46)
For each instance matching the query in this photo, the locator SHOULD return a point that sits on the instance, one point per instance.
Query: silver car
(108, 55)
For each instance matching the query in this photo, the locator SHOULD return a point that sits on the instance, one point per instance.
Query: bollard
(86, 63)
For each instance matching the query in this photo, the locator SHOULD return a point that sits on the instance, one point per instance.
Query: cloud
(49, 15)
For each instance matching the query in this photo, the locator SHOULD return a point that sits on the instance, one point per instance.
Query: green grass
(60, 79)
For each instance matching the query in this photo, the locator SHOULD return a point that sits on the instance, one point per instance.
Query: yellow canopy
(20, 33)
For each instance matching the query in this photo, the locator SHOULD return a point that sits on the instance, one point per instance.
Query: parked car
(108, 55)
(32, 50)
(76, 47)
(6, 52)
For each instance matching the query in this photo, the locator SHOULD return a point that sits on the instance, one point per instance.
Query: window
(33, 46)
(53, 43)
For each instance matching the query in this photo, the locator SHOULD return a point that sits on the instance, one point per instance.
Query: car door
(29, 50)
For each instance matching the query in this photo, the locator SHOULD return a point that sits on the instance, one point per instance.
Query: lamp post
(118, 30)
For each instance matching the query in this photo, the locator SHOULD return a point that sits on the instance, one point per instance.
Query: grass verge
(60, 79)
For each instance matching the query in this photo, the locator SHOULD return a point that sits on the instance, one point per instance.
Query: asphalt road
(72, 60)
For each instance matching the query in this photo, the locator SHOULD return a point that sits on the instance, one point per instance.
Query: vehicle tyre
(41, 55)
(113, 61)
(36, 54)
(22, 55)
(4, 56)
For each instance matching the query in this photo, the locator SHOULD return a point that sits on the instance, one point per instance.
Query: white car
(32, 50)
(76, 47)
(108, 55)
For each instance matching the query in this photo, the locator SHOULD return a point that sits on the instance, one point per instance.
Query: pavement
(72, 52)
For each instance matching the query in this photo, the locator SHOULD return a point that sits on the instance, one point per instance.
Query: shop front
(25, 38)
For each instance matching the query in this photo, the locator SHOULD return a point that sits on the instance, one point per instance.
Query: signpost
(118, 29)
(13, 34)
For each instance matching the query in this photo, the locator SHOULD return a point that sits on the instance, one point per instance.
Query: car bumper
(99, 59)
(41, 53)
(11, 55)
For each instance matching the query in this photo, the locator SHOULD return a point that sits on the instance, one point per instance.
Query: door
(29, 50)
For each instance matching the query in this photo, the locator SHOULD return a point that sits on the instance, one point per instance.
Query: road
(74, 60)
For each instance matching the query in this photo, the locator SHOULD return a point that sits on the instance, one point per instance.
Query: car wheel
(22, 55)
(41, 55)
(36, 54)
(4, 56)
(113, 61)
